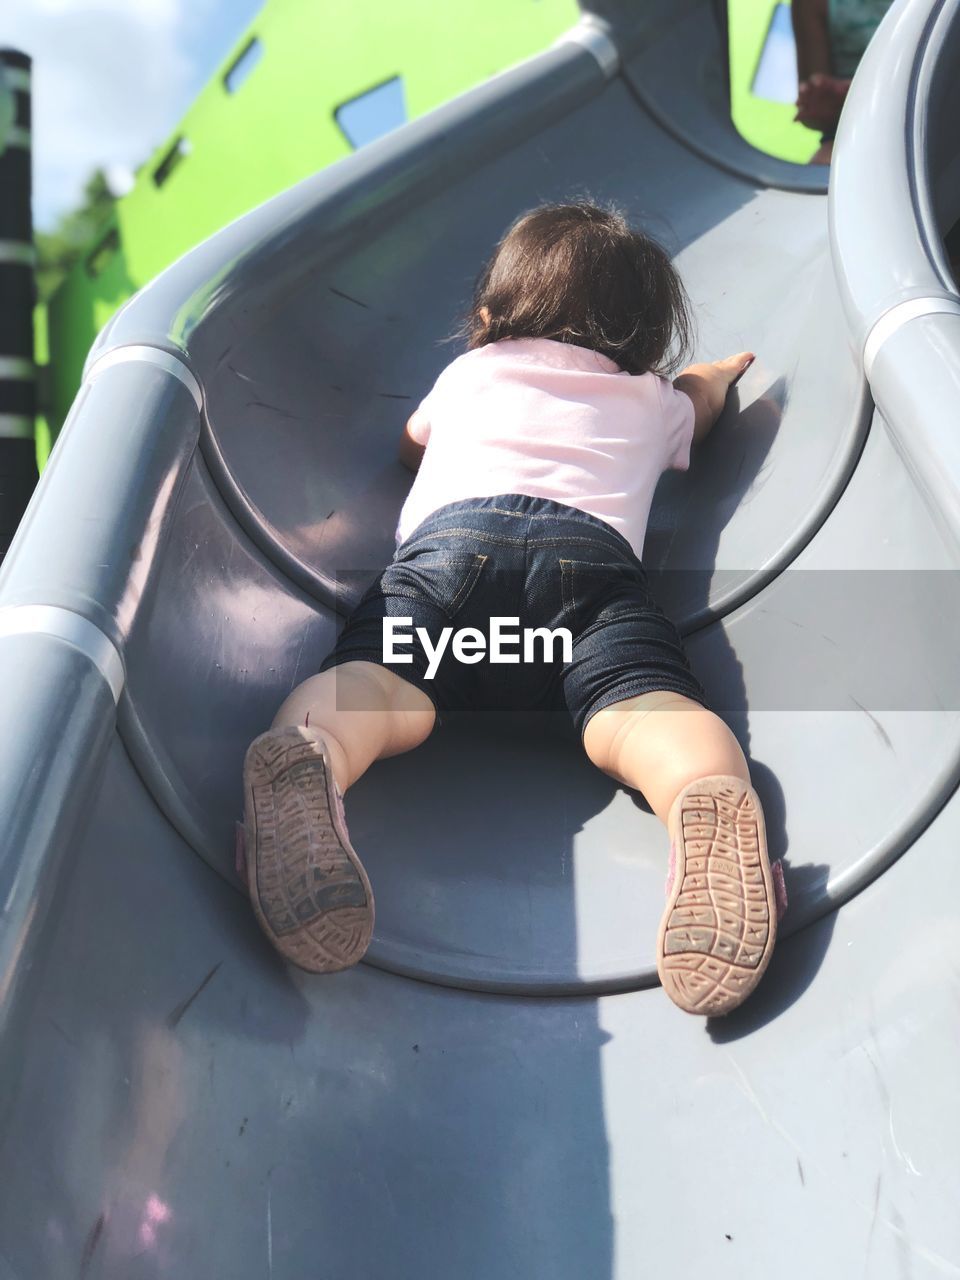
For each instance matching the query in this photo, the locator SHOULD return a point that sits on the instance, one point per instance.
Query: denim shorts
(539, 564)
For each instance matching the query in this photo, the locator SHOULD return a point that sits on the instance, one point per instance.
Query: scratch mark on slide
(879, 727)
(176, 1014)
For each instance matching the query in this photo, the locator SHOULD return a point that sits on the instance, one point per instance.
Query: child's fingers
(743, 370)
(734, 367)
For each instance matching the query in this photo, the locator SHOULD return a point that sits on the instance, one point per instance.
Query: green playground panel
(41, 353)
(234, 150)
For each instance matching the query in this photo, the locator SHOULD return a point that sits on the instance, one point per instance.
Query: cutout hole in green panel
(177, 152)
(374, 113)
(241, 67)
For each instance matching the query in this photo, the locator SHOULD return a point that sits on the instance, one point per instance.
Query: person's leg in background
(719, 926)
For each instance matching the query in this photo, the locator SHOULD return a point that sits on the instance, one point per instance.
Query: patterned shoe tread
(308, 886)
(719, 929)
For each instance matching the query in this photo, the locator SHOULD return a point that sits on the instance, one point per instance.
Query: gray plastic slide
(500, 1091)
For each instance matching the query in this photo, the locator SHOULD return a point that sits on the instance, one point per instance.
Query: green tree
(59, 249)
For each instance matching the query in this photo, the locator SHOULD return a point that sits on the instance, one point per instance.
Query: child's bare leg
(719, 927)
(657, 743)
(364, 711)
(309, 889)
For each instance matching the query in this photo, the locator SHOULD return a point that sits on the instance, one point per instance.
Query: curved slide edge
(894, 168)
(69, 589)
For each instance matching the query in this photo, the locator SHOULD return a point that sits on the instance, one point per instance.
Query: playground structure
(501, 1089)
(267, 120)
(300, 89)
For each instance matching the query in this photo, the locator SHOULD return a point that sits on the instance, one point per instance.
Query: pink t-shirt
(550, 420)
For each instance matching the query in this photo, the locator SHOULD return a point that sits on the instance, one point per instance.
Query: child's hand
(732, 368)
(707, 386)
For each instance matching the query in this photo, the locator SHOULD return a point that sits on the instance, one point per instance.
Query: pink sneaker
(723, 898)
(776, 870)
(309, 890)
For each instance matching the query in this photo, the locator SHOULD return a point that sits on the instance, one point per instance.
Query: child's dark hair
(579, 273)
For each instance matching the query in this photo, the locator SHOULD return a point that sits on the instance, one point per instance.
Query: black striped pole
(18, 384)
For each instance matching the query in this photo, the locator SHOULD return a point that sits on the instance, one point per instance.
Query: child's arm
(707, 386)
(411, 451)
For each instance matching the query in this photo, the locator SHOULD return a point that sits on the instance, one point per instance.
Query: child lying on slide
(538, 452)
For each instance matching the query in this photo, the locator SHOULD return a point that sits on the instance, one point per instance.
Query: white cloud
(111, 78)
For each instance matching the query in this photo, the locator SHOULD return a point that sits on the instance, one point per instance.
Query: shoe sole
(720, 924)
(309, 890)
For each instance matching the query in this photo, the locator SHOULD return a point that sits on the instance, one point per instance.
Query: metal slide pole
(18, 460)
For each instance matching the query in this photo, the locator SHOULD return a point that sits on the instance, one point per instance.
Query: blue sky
(111, 79)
